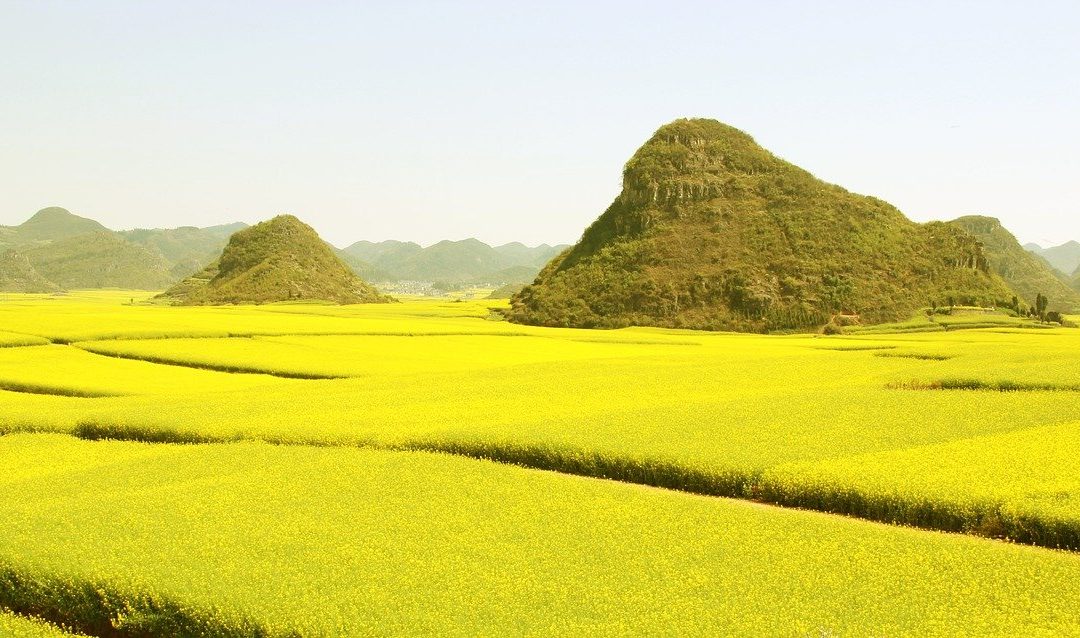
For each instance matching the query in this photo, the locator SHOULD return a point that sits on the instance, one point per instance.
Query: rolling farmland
(400, 415)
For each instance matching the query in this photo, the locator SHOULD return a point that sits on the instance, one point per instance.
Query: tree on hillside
(1041, 302)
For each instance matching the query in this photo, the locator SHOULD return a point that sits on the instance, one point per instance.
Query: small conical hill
(712, 231)
(1027, 274)
(282, 259)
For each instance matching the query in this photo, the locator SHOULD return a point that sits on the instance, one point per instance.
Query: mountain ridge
(461, 261)
(1065, 258)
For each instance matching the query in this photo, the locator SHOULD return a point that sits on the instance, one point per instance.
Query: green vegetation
(17, 274)
(1028, 275)
(220, 541)
(99, 260)
(186, 249)
(282, 259)
(712, 231)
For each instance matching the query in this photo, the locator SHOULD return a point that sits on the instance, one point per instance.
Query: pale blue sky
(511, 121)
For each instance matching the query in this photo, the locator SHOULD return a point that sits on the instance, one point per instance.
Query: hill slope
(281, 259)
(1027, 274)
(1064, 258)
(99, 260)
(383, 254)
(712, 231)
(18, 275)
(187, 248)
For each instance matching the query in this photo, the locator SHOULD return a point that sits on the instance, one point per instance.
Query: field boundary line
(989, 520)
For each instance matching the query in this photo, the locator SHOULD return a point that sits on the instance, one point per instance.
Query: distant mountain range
(1064, 258)
(57, 250)
(469, 261)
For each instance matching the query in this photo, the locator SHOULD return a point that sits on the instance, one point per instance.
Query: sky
(511, 121)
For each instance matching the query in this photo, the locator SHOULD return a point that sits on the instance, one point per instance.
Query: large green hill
(281, 259)
(1026, 273)
(712, 231)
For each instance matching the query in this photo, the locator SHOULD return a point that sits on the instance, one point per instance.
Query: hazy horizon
(428, 121)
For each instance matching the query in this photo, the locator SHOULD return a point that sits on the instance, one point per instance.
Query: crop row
(250, 539)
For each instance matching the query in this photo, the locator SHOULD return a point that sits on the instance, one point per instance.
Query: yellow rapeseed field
(250, 539)
(969, 429)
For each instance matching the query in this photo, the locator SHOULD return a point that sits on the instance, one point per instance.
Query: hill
(98, 260)
(712, 231)
(520, 254)
(451, 261)
(362, 268)
(1064, 258)
(282, 259)
(383, 254)
(466, 261)
(49, 224)
(1024, 272)
(18, 275)
(187, 248)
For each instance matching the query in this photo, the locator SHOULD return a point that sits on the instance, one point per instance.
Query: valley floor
(408, 498)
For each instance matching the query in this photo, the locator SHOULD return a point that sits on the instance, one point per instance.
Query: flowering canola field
(962, 430)
(254, 539)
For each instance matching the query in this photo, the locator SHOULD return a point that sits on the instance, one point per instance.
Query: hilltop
(49, 224)
(1026, 273)
(712, 231)
(282, 259)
